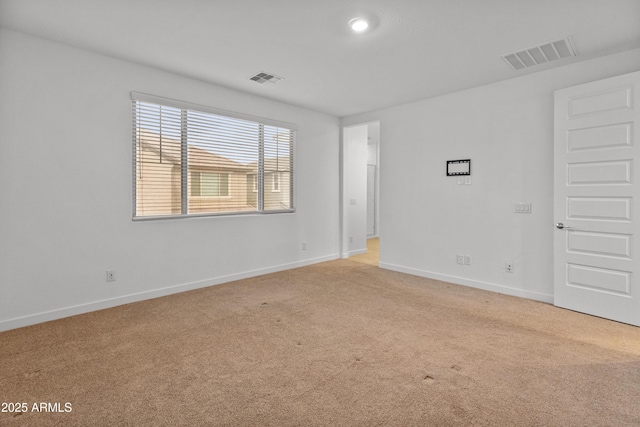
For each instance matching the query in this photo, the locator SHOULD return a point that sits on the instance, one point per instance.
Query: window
(207, 184)
(194, 160)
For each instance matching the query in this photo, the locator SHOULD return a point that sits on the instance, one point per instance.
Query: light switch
(352, 201)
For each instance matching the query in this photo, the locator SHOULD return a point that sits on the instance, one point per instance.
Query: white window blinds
(194, 160)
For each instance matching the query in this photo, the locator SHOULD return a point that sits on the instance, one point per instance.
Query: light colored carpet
(334, 344)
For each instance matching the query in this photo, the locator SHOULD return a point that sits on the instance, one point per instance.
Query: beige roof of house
(199, 158)
(280, 164)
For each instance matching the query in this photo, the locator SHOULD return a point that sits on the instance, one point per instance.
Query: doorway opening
(360, 192)
(372, 256)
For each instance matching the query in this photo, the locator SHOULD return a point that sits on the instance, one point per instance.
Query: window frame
(186, 193)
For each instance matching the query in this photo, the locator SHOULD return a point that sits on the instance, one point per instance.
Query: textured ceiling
(415, 48)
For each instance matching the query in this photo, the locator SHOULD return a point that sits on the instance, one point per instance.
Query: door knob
(560, 226)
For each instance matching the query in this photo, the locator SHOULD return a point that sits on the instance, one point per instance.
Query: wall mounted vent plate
(541, 54)
(263, 77)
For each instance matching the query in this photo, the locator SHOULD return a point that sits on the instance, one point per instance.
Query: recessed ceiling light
(358, 24)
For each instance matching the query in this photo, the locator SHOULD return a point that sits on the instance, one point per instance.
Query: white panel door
(596, 196)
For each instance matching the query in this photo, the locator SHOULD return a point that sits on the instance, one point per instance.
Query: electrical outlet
(508, 267)
(523, 207)
(111, 275)
(304, 246)
(467, 260)
(460, 259)
(350, 239)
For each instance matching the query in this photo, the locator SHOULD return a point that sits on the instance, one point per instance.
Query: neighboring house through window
(195, 160)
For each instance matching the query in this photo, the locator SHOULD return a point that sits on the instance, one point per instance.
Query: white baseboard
(46, 316)
(346, 255)
(536, 296)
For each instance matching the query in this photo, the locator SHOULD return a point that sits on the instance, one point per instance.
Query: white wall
(65, 189)
(506, 129)
(373, 139)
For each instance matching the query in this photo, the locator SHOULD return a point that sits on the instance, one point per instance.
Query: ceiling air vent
(263, 77)
(540, 54)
